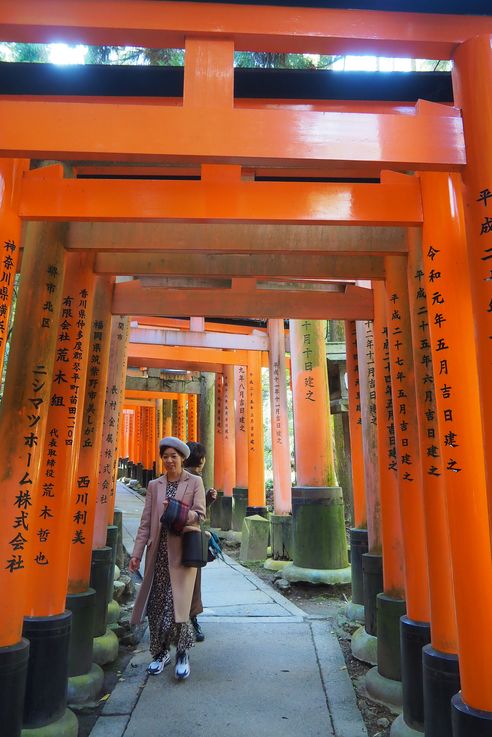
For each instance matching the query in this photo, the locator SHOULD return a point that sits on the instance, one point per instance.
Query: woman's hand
(134, 564)
(193, 518)
(165, 504)
(212, 495)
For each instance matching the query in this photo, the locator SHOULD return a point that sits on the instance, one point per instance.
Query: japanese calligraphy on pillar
(8, 267)
(277, 404)
(219, 419)
(251, 410)
(226, 415)
(431, 461)
(85, 482)
(241, 406)
(370, 370)
(38, 403)
(485, 198)
(400, 374)
(442, 338)
(387, 402)
(307, 354)
(65, 388)
(113, 403)
(352, 347)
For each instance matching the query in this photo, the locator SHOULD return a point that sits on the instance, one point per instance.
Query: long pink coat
(190, 491)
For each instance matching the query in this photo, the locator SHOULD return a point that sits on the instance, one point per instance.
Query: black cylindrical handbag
(195, 548)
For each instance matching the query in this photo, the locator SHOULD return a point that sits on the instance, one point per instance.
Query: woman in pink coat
(167, 587)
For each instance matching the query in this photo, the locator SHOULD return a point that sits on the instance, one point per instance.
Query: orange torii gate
(346, 231)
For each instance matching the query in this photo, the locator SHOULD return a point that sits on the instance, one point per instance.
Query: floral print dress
(164, 631)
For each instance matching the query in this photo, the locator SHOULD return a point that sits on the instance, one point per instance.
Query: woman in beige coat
(167, 587)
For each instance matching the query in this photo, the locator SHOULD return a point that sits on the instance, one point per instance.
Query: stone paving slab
(248, 680)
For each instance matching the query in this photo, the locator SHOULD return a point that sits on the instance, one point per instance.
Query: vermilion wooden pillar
(472, 76)
(192, 417)
(182, 417)
(115, 391)
(51, 542)
(355, 420)
(363, 640)
(317, 502)
(390, 603)
(256, 451)
(23, 418)
(282, 485)
(167, 409)
(138, 435)
(219, 436)
(85, 491)
(440, 656)
(10, 227)
(459, 408)
(159, 428)
(415, 628)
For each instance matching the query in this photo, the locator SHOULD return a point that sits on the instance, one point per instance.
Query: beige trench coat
(190, 491)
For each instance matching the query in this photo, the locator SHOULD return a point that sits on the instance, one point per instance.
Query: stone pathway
(265, 668)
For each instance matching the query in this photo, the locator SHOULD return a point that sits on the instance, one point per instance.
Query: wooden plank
(228, 238)
(232, 265)
(104, 131)
(131, 298)
(192, 339)
(45, 197)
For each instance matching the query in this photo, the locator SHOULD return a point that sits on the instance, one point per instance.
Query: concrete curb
(340, 695)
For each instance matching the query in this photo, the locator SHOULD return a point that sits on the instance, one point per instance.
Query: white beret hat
(171, 442)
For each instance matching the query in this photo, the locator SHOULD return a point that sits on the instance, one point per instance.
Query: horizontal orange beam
(249, 238)
(141, 394)
(144, 351)
(170, 322)
(46, 196)
(165, 24)
(161, 363)
(132, 298)
(112, 132)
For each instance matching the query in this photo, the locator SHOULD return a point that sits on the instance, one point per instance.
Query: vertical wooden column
(85, 487)
(390, 602)
(459, 407)
(115, 390)
(240, 395)
(391, 535)
(317, 502)
(10, 227)
(415, 628)
(407, 441)
(167, 409)
(159, 430)
(229, 440)
(358, 531)
(50, 544)
(472, 76)
(282, 484)
(182, 417)
(192, 417)
(175, 429)
(256, 451)
(315, 464)
(218, 435)
(207, 425)
(367, 386)
(24, 412)
(355, 421)
(131, 442)
(138, 435)
(441, 655)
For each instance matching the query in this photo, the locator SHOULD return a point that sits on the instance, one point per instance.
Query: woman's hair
(165, 447)
(197, 454)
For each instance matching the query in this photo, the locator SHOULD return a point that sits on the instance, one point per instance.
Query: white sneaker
(182, 666)
(158, 665)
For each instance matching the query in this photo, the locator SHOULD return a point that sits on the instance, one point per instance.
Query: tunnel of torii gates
(124, 212)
